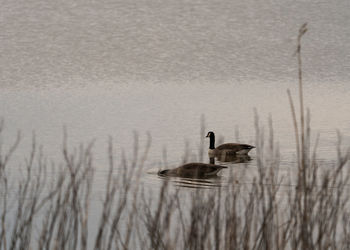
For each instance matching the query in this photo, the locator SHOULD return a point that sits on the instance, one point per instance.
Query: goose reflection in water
(235, 159)
(206, 183)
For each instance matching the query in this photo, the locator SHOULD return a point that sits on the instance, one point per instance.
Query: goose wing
(192, 170)
(234, 146)
(201, 167)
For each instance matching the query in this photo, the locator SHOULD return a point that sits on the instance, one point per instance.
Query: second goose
(193, 170)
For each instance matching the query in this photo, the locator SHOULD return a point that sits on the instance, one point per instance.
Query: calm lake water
(113, 68)
(172, 114)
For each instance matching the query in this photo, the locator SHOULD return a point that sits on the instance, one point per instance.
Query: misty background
(55, 43)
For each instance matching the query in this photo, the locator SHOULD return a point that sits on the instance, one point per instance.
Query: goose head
(211, 136)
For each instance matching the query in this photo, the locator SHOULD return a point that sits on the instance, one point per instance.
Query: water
(171, 113)
(113, 68)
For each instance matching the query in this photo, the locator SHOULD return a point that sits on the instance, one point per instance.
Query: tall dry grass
(50, 206)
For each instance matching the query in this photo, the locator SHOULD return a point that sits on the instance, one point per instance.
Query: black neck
(212, 142)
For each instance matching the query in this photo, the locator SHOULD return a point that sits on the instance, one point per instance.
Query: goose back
(234, 148)
(193, 170)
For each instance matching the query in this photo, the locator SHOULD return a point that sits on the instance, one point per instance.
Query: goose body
(227, 148)
(193, 170)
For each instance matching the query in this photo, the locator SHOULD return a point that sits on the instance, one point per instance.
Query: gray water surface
(173, 115)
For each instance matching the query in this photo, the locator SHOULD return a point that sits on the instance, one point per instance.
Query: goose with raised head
(227, 148)
(193, 170)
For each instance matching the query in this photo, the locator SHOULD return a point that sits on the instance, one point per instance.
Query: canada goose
(227, 148)
(193, 170)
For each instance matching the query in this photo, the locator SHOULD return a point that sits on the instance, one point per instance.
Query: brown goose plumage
(227, 148)
(193, 170)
